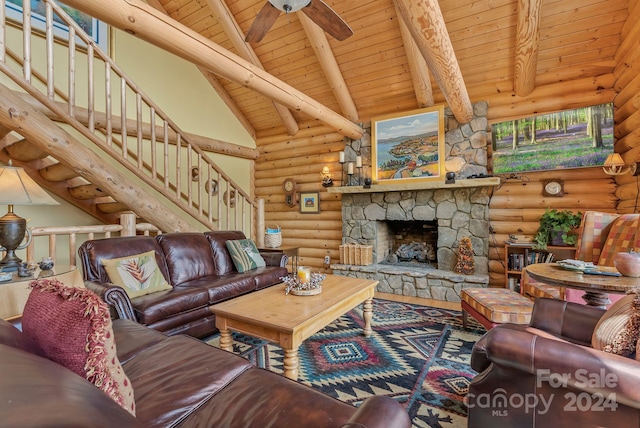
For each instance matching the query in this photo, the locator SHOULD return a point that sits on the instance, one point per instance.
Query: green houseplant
(557, 224)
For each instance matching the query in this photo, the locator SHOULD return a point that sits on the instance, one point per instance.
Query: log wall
(516, 205)
(627, 110)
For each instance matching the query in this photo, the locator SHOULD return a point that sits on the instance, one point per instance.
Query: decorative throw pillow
(245, 255)
(72, 327)
(137, 274)
(618, 330)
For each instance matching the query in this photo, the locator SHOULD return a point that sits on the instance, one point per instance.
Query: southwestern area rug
(418, 355)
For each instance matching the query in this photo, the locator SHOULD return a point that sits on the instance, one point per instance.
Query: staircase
(120, 153)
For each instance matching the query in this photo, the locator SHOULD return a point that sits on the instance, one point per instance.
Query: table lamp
(17, 188)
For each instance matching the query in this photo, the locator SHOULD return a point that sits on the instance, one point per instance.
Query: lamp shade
(289, 5)
(614, 165)
(17, 188)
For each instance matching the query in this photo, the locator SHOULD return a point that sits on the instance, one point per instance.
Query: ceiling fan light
(289, 6)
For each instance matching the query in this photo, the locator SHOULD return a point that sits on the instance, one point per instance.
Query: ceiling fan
(317, 10)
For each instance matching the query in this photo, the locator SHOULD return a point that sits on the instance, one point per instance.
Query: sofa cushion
(221, 256)
(137, 274)
(618, 330)
(188, 256)
(72, 327)
(224, 287)
(245, 255)
(154, 307)
(267, 276)
(176, 384)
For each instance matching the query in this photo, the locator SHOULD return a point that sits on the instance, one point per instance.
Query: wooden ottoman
(492, 306)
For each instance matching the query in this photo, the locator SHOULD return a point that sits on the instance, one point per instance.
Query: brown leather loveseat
(178, 381)
(199, 268)
(546, 374)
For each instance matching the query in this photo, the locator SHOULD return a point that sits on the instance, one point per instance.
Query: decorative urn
(627, 263)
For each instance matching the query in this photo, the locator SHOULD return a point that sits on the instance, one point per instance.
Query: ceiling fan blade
(320, 13)
(263, 22)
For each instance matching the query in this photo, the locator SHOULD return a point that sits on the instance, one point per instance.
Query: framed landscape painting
(94, 28)
(408, 147)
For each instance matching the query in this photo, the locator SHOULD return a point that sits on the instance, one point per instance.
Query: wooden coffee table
(288, 320)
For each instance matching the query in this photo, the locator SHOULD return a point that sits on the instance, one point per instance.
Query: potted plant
(557, 228)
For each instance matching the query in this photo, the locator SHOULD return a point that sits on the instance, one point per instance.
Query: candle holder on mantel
(342, 161)
(350, 173)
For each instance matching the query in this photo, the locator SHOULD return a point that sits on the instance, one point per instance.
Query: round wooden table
(596, 287)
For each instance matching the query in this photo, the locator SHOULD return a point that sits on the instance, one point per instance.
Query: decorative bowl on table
(627, 263)
(309, 288)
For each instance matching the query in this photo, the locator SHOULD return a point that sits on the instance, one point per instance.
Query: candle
(304, 274)
(350, 168)
(341, 157)
(359, 161)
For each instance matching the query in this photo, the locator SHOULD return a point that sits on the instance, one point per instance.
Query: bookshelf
(519, 255)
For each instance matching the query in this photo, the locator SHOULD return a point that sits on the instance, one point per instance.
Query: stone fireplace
(435, 214)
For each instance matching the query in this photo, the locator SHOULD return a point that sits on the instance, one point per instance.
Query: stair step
(24, 151)
(87, 191)
(57, 172)
(112, 207)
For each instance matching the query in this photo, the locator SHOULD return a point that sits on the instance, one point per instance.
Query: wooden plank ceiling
(372, 73)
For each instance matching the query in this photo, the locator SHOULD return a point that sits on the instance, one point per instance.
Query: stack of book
(518, 240)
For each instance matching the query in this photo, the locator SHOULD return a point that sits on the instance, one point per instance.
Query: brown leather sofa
(547, 375)
(178, 381)
(197, 265)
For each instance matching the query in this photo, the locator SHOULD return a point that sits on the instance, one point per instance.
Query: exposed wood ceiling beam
(149, 24)
(217, 86)
(234, 32)
(417, 66)
(426, 24)
(320, 45)
(527, 39)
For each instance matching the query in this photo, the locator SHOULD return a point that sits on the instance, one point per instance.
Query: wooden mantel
(424, 185)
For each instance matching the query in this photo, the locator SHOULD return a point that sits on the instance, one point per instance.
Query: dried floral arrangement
(314, 286)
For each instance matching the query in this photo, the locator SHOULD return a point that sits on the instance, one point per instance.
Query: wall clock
(553, 187)
(289, 187)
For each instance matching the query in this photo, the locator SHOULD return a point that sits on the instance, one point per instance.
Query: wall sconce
(614, 165)
(17, 188)
(326, 177)
(453, 165)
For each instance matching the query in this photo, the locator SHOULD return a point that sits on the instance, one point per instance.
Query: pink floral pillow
(72, 327)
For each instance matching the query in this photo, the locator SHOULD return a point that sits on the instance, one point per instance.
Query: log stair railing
(128, 127)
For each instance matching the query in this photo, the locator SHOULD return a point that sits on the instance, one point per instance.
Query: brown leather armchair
(547, 375)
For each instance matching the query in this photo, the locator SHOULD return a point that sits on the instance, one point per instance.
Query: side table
(292, 252)
(14, 293)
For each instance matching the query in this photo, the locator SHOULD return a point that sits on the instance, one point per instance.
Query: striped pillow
(245, 255)
(618, 330)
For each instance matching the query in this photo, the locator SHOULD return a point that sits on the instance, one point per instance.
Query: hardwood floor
(419, 301)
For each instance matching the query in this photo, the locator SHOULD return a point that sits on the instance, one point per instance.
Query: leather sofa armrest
(565, 319)
(115, 297)
(379, 411)
(582, 368)
(273, 258)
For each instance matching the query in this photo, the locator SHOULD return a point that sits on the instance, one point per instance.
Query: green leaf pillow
(245, 255)
(137, 274)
